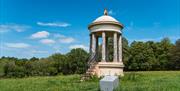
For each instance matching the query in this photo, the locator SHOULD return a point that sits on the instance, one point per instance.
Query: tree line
(73, 62)
(137, 56)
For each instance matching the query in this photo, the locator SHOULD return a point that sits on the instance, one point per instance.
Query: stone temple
(105, 27)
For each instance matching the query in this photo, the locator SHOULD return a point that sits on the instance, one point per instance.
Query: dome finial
(105, 12)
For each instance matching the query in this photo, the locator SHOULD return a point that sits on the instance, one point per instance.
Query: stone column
(120, 48)
(107, 49)
(103, 47)
(93, 44)
(115, 47)
(97, 47)
(90, 44)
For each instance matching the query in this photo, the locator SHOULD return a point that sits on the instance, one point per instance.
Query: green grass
(151, 81)
(132, 81)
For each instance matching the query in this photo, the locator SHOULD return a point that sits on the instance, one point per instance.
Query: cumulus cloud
(79, 46)
(13, 27)
(17, 45)
(66, 40)
(40, 34)
(54, 24)
(47, 41)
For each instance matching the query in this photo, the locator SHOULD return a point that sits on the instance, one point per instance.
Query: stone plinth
(109, 83)
(109, 69)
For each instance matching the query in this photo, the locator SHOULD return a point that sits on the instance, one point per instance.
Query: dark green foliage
(60, 62)
(125, 51)
(40, 68)
(13, 70)
(138, 56)
(34, 59)
(149, 55)
(77, 61)
(73, 62)
(174, 62)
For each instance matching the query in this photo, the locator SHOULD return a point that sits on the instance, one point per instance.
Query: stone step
(89, 73)
(91, 70)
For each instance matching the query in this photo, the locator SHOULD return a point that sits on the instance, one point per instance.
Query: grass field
(132, 81)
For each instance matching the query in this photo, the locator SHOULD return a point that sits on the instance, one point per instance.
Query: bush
(12, 70)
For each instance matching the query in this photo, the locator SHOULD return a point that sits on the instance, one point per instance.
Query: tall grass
(150, 81)
(132, 81)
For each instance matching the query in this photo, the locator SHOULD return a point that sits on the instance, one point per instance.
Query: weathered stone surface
(103, 47)
(109, 83)
(120, 48)
(93, 43)
(115, 47)
(109, 68)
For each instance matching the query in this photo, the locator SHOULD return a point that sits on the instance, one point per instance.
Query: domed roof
(105, 18)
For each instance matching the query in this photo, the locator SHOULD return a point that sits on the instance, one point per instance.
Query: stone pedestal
(109, 83)
(109, 69)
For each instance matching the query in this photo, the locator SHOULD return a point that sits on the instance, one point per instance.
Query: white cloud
(47, 41)
(39, 52)
(54, 24)
(13, 27)
(40, 34)
(174, 38)
(56, 48)
(59, 36)
(148, 39)
(17, 45)
(79, 46)
(66, 40)
(111, 12)
(130, 26)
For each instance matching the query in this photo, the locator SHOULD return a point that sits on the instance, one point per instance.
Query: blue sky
(42, 27)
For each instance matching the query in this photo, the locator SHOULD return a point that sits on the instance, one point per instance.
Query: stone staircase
(91, 69)
(89, 73)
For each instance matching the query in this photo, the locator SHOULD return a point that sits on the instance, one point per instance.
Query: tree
(141, 55)
(3, 62)
(77, 61)
(174, 62)
(13, 70)
(60, 62)
(163, 53)
(125, 51)
(9, 69)
(33, 59)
